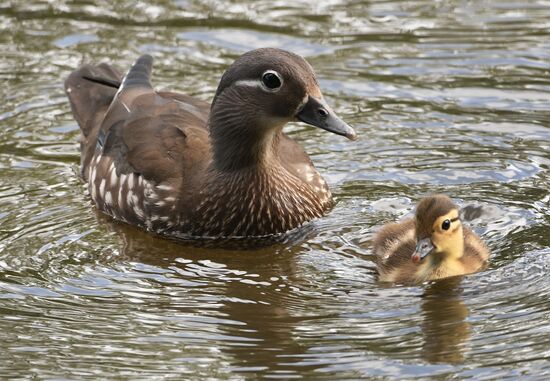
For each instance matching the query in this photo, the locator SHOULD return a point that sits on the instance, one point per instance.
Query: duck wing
(139, 146)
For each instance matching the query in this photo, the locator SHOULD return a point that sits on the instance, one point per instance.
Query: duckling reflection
(433, 245)
(444, 328)
(243, 289)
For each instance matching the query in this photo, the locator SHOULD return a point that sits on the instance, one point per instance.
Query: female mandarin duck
(433, 245)
(170, 163)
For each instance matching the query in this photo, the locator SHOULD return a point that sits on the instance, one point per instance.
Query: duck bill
(317, 113)
(423, 248)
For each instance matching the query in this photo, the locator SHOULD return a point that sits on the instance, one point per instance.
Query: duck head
(439, 231)
(258, 94)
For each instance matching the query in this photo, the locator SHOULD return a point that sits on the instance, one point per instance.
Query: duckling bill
(171, 163)
(432, 245)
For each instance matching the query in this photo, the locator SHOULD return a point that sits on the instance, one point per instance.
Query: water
(447, 97)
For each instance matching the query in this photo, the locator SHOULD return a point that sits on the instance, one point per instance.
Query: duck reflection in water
(445, 329)
(247, 296)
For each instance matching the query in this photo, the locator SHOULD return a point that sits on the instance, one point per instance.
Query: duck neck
(241, 138)
(249, 192)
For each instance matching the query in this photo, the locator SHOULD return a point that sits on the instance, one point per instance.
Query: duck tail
(89, 97)
(91, 89)
(103, 81)
(139, 74)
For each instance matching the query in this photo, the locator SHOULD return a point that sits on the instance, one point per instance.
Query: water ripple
(446, 97)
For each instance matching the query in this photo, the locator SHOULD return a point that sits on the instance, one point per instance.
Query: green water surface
(446, 96)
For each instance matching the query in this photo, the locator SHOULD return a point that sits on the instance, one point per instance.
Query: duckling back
(393, 246)
(476, 253)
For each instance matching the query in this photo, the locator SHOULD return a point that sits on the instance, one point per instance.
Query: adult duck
(171, 163)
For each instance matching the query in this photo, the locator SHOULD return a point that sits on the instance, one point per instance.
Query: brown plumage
(174, 165)
(433, 245)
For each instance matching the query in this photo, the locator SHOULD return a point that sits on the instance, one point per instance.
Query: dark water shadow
(272, 242)
(263, 309)
(445, 329)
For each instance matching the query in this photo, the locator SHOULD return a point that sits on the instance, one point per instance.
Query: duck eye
(446, 225)
(271, 80)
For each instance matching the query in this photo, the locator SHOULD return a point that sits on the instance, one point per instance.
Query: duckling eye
(271, 80)
(446, 225)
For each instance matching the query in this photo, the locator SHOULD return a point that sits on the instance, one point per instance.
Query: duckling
(432, 245)
(176, 165)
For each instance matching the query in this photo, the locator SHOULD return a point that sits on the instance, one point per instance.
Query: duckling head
(439, 231)
(258, 94)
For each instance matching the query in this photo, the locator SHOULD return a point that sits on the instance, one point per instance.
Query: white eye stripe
(254, 83)
(259, 82)
(249, 83)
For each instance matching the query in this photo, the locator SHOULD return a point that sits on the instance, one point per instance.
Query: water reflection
(255, 295)
(258, 305)
(447, 97)
(445, 329)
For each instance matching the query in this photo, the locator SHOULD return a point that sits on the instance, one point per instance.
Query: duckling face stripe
(452, 216)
